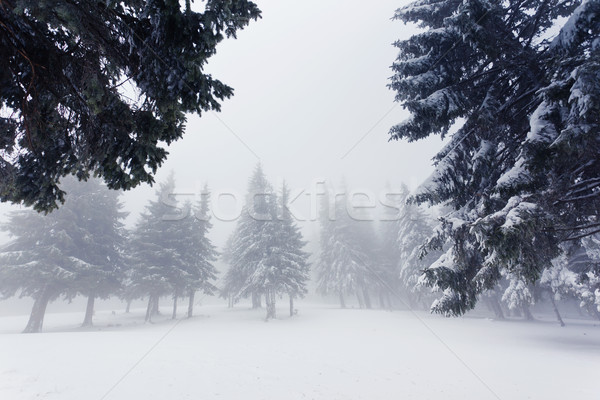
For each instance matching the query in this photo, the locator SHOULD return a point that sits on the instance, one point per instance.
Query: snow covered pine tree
(74, 250)
(522, 174)
(265, 252)
(157, 267)
(249, 243)
(346, 262)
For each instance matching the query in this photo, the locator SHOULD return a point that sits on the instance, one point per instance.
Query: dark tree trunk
(342, 302)
(36, 318)
(291, 305)
(558, 317)
(367, 298)
(89, 311)
(174, 315)
(128, 306)
(150, 308)
(191, 303)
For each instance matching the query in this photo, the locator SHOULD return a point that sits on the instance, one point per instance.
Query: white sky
(310, 83)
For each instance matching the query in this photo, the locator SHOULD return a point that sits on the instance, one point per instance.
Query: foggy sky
(310, 103)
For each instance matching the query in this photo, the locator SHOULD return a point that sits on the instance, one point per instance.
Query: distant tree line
(83, 249)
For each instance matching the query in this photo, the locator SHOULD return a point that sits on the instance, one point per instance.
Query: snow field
(323, 353)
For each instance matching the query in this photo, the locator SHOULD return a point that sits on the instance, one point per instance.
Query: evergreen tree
(64, 67)
(521, 173)
(197, 252)
(73, 250)
(156, 268)
(284, 266)
(345, 264)
(250, 241)
(518, 295)
(575, 274)
(96, 213)
(414, 228)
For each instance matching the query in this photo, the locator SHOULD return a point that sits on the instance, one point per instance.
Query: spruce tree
(283, 267)
(521, 172)
(68, 69)
(292, 260)
(197, 252)
(346, 263)
(414, 228)
(156, 259)
(96, 212)
(75, 250)
(250, 241)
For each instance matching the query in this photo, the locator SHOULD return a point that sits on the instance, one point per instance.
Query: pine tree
(96, 214)
(575, 274)
(292, 259)
(414, 228)
(197, 252)
(75, 250)
(520, 172)
(284, 266)
(156, 268)
(250, 241)
(345, 264)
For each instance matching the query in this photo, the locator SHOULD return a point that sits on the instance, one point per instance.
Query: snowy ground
(322, 353)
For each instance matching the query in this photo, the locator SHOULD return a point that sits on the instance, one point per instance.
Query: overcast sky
(310, 103)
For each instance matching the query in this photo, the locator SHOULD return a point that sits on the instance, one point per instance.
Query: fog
(310, 103)
(311, 107)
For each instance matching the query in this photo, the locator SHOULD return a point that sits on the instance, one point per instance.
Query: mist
(305, 142)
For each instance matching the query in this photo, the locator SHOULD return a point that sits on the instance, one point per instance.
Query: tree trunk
(273, 305)
(155, 310)
(291, 305)
(270, 304)
(174, 316)
(128, 306)
(267, 304)
(367, 298)
(36, 318)
(149, 311)
(342, 302)
(89, 311)
(230, 299)
(558, 317)
(191, 304)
